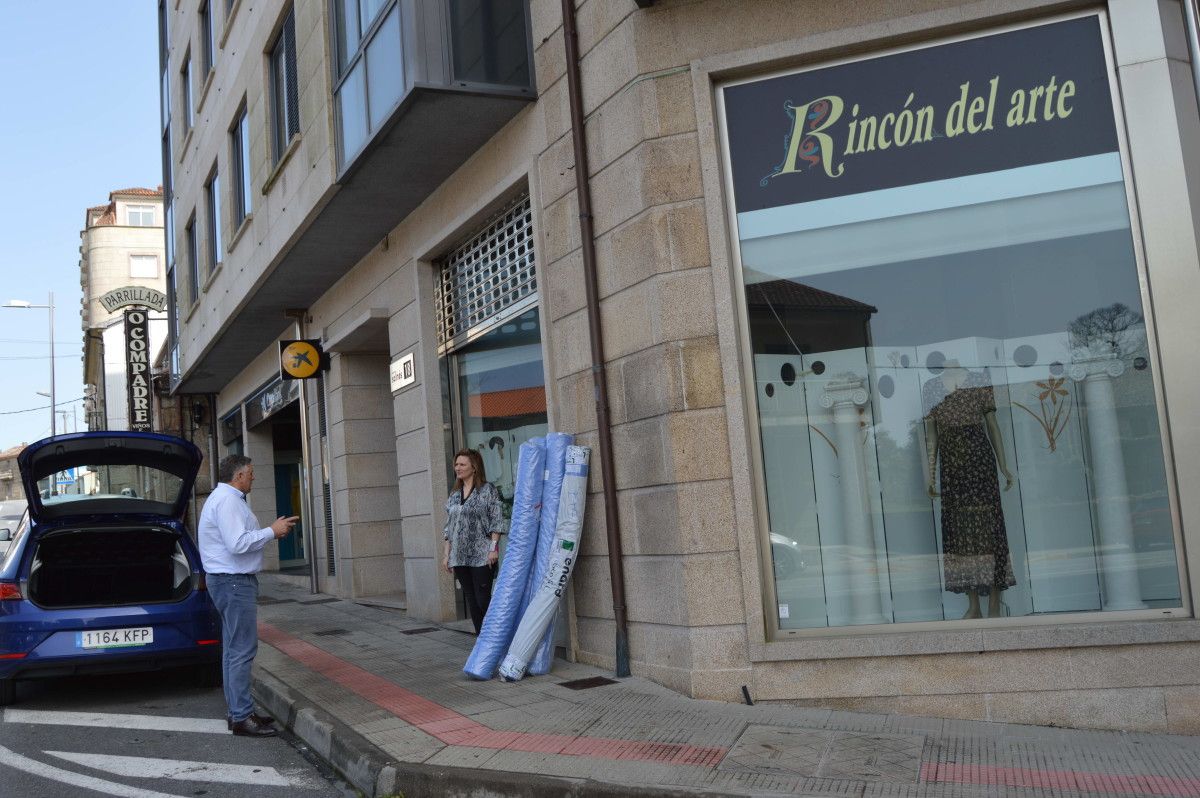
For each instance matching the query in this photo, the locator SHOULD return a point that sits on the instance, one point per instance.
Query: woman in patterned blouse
(474, 523)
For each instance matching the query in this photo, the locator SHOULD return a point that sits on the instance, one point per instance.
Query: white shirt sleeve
(238, 526)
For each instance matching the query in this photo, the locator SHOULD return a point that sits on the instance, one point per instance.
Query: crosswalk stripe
(117, 721)
(33, 767)
(141, 767)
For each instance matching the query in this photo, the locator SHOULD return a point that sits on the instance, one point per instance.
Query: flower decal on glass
(1054, 408)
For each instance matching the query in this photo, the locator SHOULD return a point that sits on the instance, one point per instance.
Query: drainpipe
(1192, 20)
(616, 567)
(301, 316)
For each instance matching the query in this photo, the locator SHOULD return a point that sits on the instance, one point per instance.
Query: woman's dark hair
(477, 461)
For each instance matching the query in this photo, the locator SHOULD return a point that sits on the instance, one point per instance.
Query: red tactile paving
(1080, 781)
(452, 728)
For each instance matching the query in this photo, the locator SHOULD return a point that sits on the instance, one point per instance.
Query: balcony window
(239, 146)
(185, 78)
(209, 47)
(488, 42)
(193, 262)
(285, 92)
(213, 194)
(370, 69)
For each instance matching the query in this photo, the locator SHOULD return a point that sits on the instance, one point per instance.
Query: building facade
(121, 267)
(892, 310)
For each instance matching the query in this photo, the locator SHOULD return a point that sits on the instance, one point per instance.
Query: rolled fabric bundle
(563, 556)
(509, 589)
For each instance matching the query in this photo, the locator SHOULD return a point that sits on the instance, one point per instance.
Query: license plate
(115, 638)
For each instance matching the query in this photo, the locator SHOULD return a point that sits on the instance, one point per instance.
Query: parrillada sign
(137, 369)
(133, 295)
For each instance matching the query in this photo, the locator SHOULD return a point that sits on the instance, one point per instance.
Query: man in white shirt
(231, 544)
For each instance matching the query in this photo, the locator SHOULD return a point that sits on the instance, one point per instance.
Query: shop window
(953, 381)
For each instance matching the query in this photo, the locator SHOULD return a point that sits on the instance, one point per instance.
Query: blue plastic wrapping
(563, 556)
(509, 590)
(556, 460)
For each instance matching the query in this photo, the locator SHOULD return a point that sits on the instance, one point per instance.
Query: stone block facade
(695, 543)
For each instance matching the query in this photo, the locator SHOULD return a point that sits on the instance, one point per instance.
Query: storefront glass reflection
(953, 380)
(501, 397)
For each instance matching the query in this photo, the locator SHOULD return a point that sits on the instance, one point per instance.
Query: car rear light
(199, 583)
(207, 642)
(10, 591)
(12, 656)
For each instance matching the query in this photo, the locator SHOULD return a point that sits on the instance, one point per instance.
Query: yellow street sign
(299, 360)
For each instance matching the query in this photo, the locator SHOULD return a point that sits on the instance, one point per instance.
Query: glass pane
(247, 195)
(385, 69)
(352, 113)
(347, 31)
(369, 10)
(214, 222)
(502, 397)
(490, 41)
(279, 100)
(953, 381)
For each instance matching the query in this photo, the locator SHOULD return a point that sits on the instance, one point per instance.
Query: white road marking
(18, 762)
(140, 767)
(117, 721)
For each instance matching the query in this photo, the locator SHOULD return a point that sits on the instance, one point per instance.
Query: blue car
(102, 578)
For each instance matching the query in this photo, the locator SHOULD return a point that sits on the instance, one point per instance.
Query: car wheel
(207, 674)
(8, 692)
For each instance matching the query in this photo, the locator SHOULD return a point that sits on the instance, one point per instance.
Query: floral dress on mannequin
(974, 540)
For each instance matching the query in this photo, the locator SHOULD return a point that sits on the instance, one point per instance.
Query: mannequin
(960, 425)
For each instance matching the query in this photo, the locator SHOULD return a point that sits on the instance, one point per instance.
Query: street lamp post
(20, 303)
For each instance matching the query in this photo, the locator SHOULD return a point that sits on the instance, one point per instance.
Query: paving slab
(394, 713)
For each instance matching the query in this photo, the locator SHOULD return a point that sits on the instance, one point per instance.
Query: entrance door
(287, 503)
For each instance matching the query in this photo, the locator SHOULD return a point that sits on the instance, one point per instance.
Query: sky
(79, 88)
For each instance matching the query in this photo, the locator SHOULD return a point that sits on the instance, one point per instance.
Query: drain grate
(329, 632)
(421, 631)
(586, 684)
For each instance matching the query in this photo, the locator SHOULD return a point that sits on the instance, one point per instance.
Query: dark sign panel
(137, 369)
(997, 102)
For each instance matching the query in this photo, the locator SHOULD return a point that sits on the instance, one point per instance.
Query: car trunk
(107, 567)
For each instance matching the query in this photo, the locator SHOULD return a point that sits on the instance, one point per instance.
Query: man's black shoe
(261, 720)
(252, 728)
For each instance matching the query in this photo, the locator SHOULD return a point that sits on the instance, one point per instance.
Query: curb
(370, 770)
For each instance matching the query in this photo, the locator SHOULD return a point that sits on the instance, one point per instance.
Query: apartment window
(212, 191)
(185, 77)
(143, 266)
(239, 146)
(139, 215)
(285, 105)
(193, 262)
(206, 30)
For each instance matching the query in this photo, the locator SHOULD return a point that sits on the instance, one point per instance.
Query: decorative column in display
(846, 394)
(1110, 491)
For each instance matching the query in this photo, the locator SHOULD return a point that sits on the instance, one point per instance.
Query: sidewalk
(383, 698)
